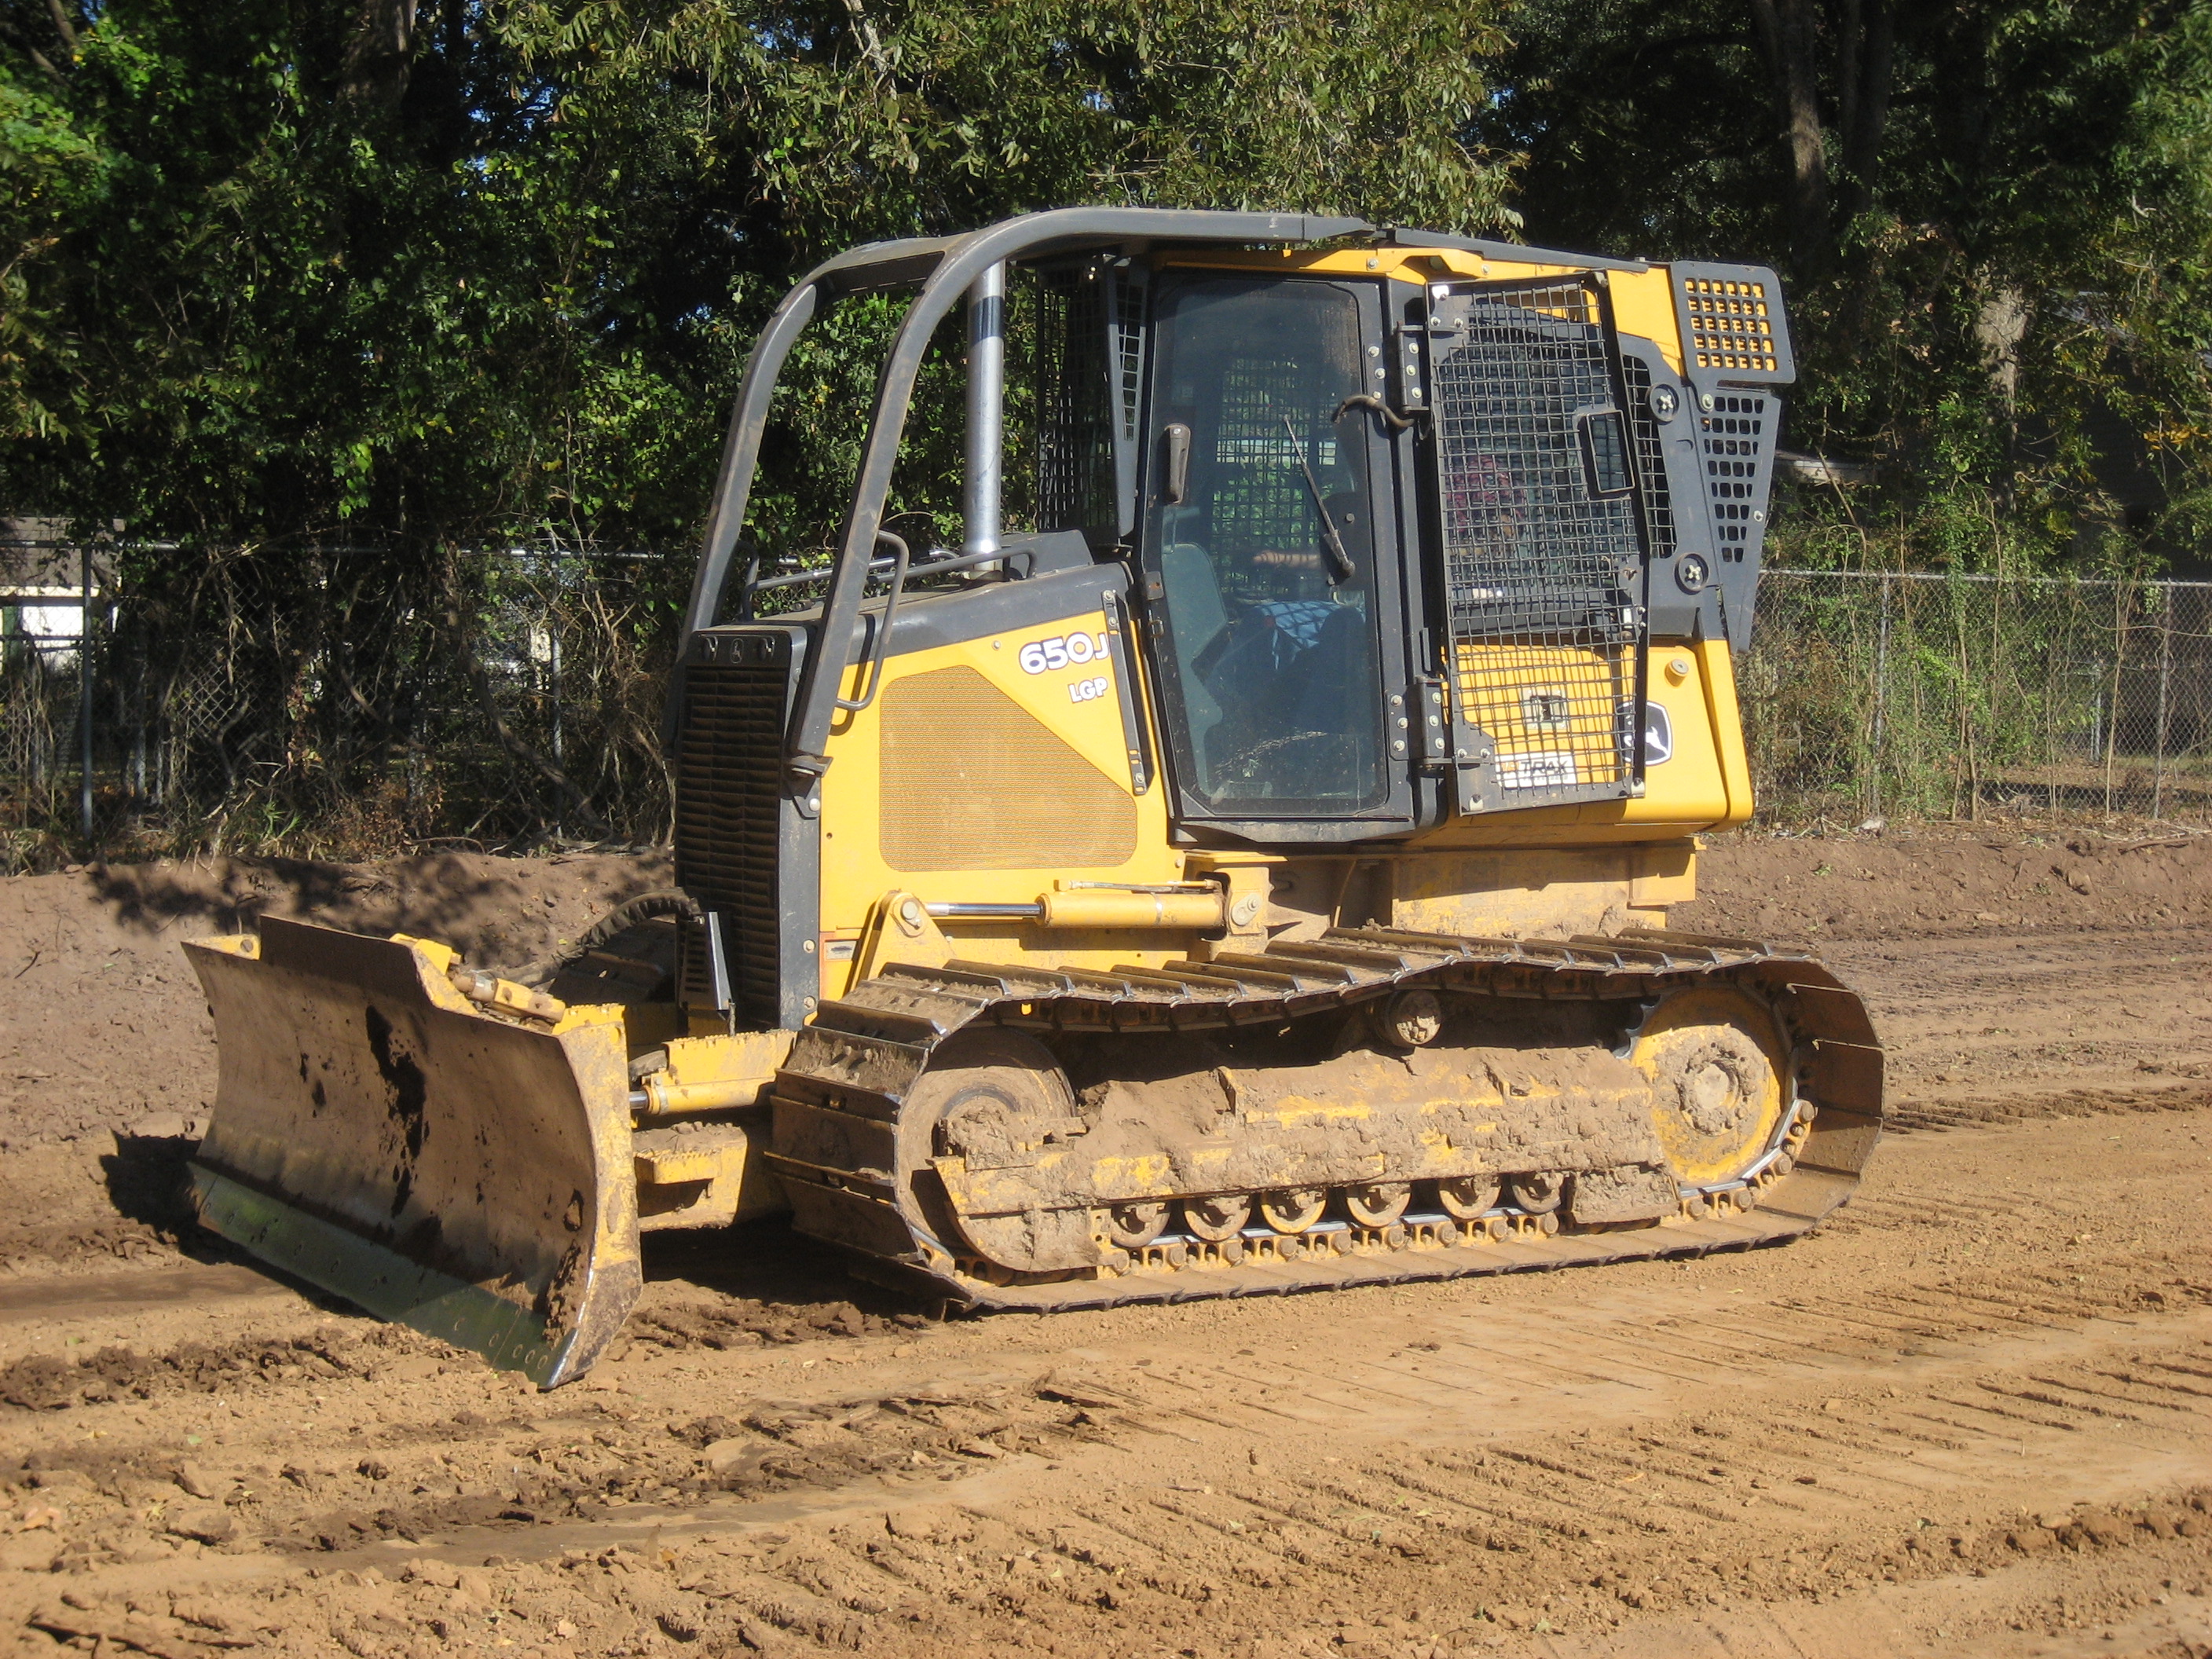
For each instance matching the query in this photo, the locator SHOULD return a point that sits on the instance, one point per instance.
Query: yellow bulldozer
(1252, 876)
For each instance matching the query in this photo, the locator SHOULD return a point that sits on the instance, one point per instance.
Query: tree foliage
(1993, 215)
(414, 272)
(291, 270)
(318, 294)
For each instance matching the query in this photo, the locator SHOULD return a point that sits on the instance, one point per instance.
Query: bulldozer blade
(378, 1134)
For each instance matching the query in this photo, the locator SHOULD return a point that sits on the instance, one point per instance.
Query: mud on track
(1973, 1414)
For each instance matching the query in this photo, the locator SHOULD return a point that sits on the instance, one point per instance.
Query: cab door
(1543, 543)
(1270, 560)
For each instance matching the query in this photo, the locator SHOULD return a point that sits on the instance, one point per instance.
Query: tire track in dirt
(2039, 1025)
(1463, 1472)
(1574, 1457)
(1852, 1444)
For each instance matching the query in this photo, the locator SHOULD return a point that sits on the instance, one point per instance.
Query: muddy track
(841, 1106)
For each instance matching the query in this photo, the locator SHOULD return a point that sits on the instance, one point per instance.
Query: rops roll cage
(942, 270)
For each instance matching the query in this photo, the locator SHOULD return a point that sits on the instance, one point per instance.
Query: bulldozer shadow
(763, 1261)
(149, 1180)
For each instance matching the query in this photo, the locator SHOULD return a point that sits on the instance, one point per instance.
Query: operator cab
(1395, 549)
(1392, 514)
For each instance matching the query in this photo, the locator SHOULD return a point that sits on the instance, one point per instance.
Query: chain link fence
(339, 706)
(1905, 694)
(511, 697)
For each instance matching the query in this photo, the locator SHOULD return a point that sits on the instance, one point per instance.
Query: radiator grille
(1542, 551)
(729, 809)
(972, 781)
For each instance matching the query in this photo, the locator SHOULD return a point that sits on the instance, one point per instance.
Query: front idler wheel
(995, 1096)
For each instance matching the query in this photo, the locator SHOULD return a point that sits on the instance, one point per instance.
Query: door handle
(1175, 462)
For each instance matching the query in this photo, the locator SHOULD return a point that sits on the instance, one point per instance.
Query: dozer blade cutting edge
(377, 1134)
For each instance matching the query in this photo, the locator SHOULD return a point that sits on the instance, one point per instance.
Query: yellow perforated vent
(972, 781)
(1554, 713)
(1730, 327)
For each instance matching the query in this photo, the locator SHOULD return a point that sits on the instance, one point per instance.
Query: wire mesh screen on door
(1544, 550)
(1260, 499)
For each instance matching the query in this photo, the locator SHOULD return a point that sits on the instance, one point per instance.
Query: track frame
(838, 1099)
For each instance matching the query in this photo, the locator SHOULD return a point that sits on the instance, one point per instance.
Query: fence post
(553, 677)
(138, 730)
(84, 688)
(1881, 694)
(2052, 681)
(2165, 679)
(553, 689)
(2120, 607)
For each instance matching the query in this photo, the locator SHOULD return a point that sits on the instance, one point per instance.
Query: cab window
(1260, 532)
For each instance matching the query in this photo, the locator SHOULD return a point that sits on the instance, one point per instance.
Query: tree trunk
(1867, 116)
(1786, 33)
(1852, 30)
(379, 55)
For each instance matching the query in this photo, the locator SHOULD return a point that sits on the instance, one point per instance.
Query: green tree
(1992, 214)
(286, 268)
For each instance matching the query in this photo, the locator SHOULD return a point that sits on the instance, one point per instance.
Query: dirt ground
(1973, 1415)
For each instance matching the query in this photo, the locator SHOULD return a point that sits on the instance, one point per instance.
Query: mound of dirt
(102, 1020)
(1938, 882)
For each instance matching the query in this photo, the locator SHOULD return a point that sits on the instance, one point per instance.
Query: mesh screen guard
(1545, 539)
(1088, 364)
(972, 781)
(1075, 434)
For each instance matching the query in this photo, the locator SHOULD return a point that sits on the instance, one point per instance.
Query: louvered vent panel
(1731, 325)
(1739, 444)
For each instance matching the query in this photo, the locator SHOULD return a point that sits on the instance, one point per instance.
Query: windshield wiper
(1340, 568)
